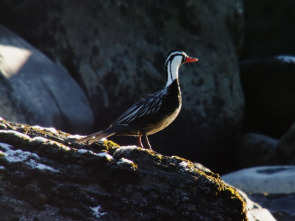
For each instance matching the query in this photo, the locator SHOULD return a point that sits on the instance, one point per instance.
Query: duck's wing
(146, 106)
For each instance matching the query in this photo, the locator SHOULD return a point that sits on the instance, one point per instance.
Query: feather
(145, 106)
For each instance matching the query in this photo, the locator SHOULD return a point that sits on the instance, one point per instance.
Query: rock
(34, 90)
(286, 147)
(268, 30)
(257, 212)
(280, 205)
(117, 50)
(46, 175)
(262, 214)
(268, 85)
(257, 150)
(264, 179)
(272, 187)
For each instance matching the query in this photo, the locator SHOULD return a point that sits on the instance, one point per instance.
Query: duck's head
(174, 60)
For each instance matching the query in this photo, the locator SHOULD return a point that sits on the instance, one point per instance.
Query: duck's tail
(90, 139)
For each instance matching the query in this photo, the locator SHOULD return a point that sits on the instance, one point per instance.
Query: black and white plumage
(152, 113)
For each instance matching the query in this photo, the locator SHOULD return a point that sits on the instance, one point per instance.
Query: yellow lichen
(108, 144)
(234, 194)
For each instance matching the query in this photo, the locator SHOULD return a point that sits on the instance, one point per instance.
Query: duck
(152, 113)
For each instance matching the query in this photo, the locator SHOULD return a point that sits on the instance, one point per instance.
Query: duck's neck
(171, 72)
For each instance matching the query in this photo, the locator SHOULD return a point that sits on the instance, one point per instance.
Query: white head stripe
(172, 67)
(174, 53)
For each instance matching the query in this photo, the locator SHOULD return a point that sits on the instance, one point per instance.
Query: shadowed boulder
(35, 90)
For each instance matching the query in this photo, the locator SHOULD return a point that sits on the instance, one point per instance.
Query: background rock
(257, 150)
(37, 91)
(264, 179)
(272, 187)
(268, 28)
(257, 211)
(116, 50)
(268, 85)
(286, 147)
(280, 205)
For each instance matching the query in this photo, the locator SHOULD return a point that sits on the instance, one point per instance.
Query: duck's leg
(146, 142)
(139, 141)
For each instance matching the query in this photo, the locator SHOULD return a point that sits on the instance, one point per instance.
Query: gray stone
(262, 214)
(256, 211)
(257, 150)
(265, 179)
(268, 86)
(286, 146)
(269, 30)
(116, 49)
(281, 205)
(34, 90)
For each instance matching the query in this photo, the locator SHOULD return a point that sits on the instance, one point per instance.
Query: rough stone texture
(116, 50)
(45, 174)
(268, 85)
(257, 150)
(35, 90)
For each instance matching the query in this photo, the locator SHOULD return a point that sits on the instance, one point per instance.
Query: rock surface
(257, 150)
(270, 186)
(257, 211)
(280, 205)
(264, 179)
(286, 147)
(45, 174)
(34, 90)
(268, 85)
(117, 49)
